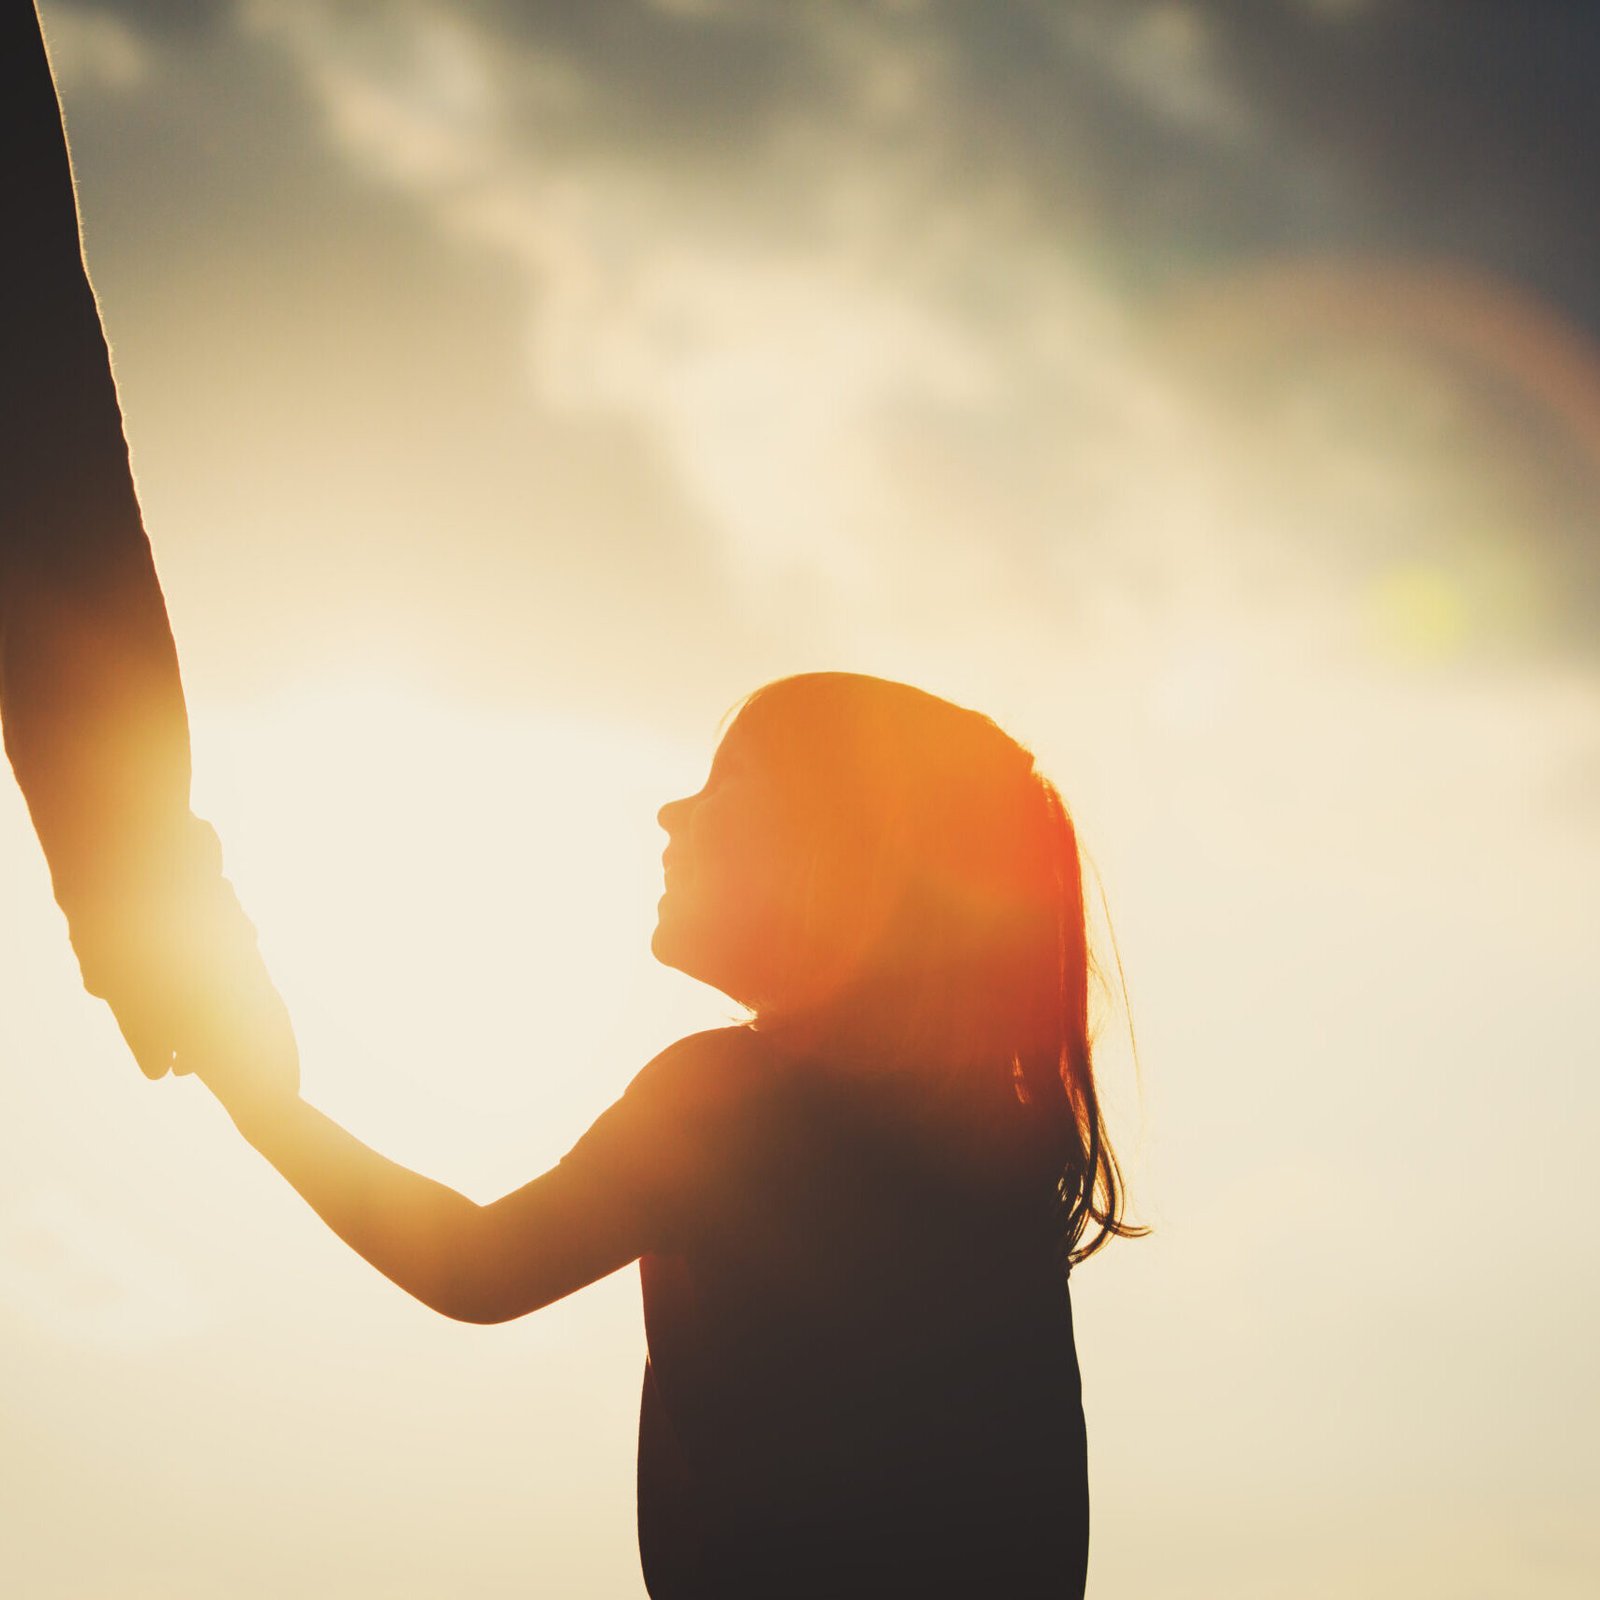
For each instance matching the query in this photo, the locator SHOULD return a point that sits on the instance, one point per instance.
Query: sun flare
(457, 904)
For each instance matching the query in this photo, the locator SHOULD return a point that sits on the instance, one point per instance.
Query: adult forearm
(94, 713)
(93, 709)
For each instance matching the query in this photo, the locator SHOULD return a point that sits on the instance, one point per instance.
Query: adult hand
(172, 952)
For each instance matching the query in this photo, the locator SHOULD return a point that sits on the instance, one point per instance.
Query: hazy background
(1207, 391)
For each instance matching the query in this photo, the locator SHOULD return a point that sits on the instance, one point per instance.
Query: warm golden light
(458, 904)
(510, 393)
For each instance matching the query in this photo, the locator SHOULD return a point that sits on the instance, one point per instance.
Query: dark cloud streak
(1467, 130)
(1417, 126)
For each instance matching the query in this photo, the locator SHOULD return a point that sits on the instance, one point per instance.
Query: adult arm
(91, 703)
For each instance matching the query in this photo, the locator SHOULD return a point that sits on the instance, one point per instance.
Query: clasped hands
(171, 951)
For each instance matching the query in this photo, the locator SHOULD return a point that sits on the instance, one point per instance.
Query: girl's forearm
(421, 1235)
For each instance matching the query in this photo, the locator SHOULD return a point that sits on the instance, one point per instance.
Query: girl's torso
(862, 1376)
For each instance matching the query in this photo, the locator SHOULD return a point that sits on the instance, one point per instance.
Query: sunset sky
(1208, 392)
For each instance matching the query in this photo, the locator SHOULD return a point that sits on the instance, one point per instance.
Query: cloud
(788, 290)
(1166, 57)
(93, 49)
(153, 20)
(924, 310)
(877, 319)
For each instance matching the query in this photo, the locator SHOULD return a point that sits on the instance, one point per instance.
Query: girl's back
(862, 1376)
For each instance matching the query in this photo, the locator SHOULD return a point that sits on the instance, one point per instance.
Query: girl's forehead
(799, 726)
(748, 741)
(738, 745)
(753, 731)
(772, 739)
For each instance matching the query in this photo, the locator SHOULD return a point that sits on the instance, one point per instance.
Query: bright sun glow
(457, 905)
(1127, 371)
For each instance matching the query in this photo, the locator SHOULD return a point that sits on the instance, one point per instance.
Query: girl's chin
(673, 943)
(685, 949)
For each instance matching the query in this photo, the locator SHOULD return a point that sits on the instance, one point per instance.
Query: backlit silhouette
(854, 1213)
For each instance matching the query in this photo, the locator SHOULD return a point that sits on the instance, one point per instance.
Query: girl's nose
(670, 816)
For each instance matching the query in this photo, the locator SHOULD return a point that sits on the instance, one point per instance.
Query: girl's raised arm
(471, 1262)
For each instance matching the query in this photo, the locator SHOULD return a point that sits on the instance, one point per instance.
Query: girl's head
(889, 876)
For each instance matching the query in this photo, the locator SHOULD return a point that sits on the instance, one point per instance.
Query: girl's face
(732, 909)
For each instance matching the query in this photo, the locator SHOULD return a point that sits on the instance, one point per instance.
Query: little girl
(855, 1213)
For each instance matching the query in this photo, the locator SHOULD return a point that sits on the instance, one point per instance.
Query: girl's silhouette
(854, 1213)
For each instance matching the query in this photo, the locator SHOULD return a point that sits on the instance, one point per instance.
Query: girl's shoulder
(702, 1072)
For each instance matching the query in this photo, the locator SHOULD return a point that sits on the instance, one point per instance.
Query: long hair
(942, 923)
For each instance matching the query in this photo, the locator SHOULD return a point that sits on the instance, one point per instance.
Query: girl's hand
(241, 1045)
(236, 1037)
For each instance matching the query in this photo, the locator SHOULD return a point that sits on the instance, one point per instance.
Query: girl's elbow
(483, 1304)
(482, 1314)
(494, 1304)
(463, 1303)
